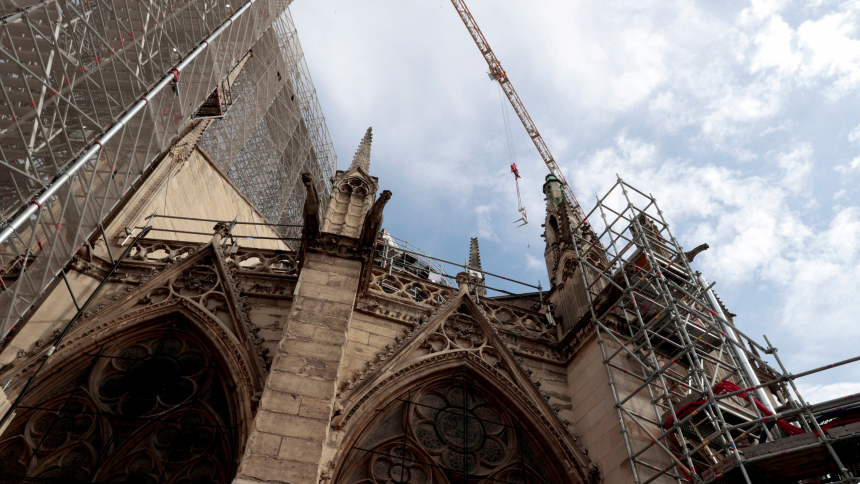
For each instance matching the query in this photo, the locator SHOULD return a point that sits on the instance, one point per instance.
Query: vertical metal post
(740, 356)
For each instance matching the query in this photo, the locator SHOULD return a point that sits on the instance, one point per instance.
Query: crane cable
(512, 157)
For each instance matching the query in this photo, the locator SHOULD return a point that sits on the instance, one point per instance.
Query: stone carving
(266, 262)
(151, 250)
(460, 332)
(381, 357)
(394, 310)
(147, 394)
(572, 449)
(526, 323)
(352, 194)
(456, 331)
(456, 427)
(408, 288)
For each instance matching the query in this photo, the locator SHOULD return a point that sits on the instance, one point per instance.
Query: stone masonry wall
(596, 418)
(287, 441)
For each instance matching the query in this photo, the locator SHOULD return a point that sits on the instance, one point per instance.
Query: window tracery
(446, 432)
(154, 409)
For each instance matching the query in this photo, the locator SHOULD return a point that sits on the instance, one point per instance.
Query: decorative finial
(362, 155)
(475, 255)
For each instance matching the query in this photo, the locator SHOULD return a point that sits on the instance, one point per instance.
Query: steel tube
(97, 145)
(740, 355)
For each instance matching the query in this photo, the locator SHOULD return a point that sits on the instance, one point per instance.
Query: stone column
(292, 423)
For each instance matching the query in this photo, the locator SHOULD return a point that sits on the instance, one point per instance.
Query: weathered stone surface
(280, 402)
(300, 450)
(265, 444)
(273, 469)
(301, 385)
(291, 425)
(321, 351)
(313, 408)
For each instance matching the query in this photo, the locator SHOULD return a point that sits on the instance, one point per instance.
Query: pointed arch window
(451, 430)
(152, 407)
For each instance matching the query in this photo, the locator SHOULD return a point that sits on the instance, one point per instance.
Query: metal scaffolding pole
(661, 328)
(93, 93)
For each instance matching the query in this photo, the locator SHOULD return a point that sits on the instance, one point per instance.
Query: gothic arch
(154, 396)
(504, 428)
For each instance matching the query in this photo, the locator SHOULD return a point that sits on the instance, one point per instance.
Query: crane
(497, 73)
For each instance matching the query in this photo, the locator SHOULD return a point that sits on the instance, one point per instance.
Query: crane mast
(497, 73)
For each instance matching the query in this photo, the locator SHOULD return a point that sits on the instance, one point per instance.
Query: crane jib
(498, 74)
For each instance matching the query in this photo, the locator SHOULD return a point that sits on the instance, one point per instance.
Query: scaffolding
(275, 130)
(695, 399)
(398, 255)
(230, 236)
(93, 93)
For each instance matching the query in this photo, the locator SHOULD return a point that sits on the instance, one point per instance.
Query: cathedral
(198, 296)
(208, 361)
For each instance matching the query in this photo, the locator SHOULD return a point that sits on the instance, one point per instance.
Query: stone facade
(198, 362)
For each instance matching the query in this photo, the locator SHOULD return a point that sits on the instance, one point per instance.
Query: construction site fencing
(696, 400)
(92, 93)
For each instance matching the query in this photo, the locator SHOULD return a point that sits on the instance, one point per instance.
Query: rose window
(463, 429)
(449, 432)
(399, 466)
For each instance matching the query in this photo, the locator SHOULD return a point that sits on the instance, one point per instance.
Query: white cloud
(797, 167)
(775, 48)
(813, 393)
(852, 166)
(534, 263)
(485, 223)
(841, 194)
(760, 9)
(854, 135)
(830, 51)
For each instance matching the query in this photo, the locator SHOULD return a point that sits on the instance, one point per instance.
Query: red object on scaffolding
(836, 418)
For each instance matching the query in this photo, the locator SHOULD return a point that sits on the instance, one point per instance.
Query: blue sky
(740, 117)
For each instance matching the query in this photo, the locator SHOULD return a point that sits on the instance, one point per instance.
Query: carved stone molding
(83, 337)
(573, 450)
(335, 245)
(460, 327)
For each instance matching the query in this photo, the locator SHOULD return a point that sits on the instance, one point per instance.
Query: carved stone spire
(475, 263)
(362, 155)
(352, 194)
(475, 255)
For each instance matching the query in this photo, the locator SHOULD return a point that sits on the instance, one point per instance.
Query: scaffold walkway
(696, 400)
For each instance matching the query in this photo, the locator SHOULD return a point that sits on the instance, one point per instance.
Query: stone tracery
(155, 408)
(446, 431)
(416, 290)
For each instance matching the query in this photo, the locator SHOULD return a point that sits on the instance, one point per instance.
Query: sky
(739, 117)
